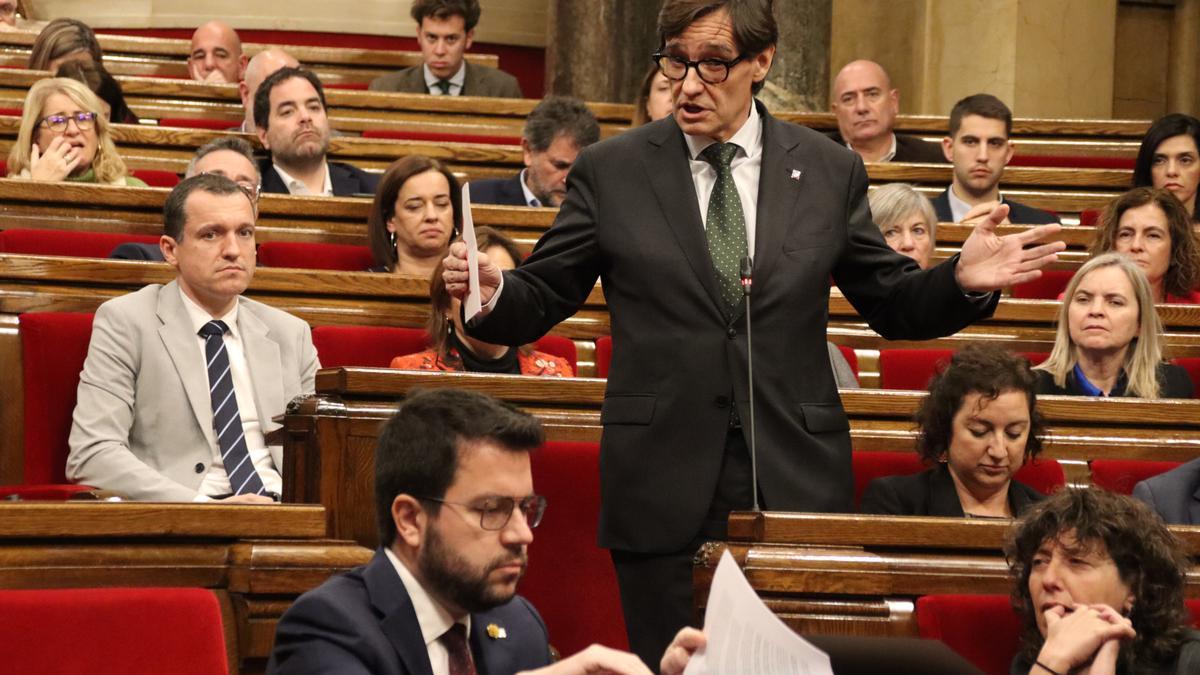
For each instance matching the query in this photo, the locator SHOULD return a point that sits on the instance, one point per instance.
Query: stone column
(599, 50)
(1183, 78)
(799, 80)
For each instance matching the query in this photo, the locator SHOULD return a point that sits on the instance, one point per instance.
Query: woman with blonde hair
(64, 40)
(65, 136)
(1107, 339)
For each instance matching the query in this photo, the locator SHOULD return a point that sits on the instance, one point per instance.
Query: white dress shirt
(891, 154)
(746, 166)
(432, 617)
(530, 199)
(297, 187)
(959, 208)
(216, 481)
(456, 81)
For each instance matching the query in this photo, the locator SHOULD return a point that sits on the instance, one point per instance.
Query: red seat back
(1042, 474)
(851, 357)
(53, 346)
(1090, 216)
(910, 369)
(604, 355)
(156, 178)
(1192, 365)
(312, 256)
(366, 346)
(1073, 161)
(1120, 475)
(1049, 286)
(440, 136)
(110, 631)
(67, 242)
(559, 346)
(983, 629)
(570, 579)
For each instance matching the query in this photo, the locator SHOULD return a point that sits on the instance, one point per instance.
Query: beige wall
(515, 22)
(859, 32)
(1140, 75)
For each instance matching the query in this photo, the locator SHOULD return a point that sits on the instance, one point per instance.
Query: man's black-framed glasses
(494, 512)
(58, 123)
(712, 71)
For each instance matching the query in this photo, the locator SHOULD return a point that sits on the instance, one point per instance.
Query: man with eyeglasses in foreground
(456, 507)
(182, 381)
(663, 215)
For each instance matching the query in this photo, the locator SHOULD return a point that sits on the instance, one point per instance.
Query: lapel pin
(796, 174)
(496, 632)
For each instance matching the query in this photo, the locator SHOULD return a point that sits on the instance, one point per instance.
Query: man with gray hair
(557, 129)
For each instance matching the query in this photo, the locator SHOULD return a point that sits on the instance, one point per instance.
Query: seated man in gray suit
(181, 381)
(456, 510)
(1174, 495)
(445, 30)
(557, 129)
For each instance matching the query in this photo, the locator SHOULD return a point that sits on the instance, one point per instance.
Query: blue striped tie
(227, 423)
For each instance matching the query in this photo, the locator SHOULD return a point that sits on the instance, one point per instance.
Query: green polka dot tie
(726, 226)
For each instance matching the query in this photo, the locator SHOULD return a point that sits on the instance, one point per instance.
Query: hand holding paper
(469, 275)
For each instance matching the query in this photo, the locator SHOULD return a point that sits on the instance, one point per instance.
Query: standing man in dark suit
(662, 215)
(289, 113)
(979, 149)
(445, 31)
(456, 508)
(866, 105)
(557, 129)
(1174, 495)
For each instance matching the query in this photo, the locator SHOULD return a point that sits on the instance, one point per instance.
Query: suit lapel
(399, 622)
(488, 653)
(780, 182)
(266, 373)
(183, 347)
(1194, 508)
(341, 181)
(670, 177)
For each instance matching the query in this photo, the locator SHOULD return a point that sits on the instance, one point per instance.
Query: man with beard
(289, 111)
(456, 507)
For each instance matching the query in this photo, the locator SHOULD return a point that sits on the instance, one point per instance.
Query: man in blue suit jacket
(1174, 495)
(456, 508)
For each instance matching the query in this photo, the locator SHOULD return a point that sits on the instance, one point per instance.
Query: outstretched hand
(989, 262)
(454, 273)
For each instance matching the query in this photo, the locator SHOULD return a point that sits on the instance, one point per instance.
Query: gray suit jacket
(480, 81)
(1174, 495)
(143, 420)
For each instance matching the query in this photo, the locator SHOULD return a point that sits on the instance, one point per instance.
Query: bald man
(866, 106)
(260, 68)
(216, 56)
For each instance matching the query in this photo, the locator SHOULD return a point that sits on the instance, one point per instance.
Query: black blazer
(132, 250)
(1018, 213)
(498, 191)
(908, 149)
(932, 493)
(1173, 382)
(347, 181)
(363, 621)
(1174, 495)
(631, 219)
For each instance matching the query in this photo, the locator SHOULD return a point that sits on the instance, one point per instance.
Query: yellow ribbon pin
(496, 632)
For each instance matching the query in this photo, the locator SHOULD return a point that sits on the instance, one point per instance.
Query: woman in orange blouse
(452, 349)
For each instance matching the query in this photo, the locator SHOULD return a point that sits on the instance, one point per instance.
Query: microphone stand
(747, 275)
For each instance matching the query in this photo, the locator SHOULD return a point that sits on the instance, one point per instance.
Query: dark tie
(444, 85)
(455, 641)
(726, 226)
(227, 423)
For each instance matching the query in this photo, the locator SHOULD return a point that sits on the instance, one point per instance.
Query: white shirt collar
(530, 198)
(200, 316)
(891, 154)
(432, 617)
(297, 187)
(748, 137)
(959, 208)
(456, 80)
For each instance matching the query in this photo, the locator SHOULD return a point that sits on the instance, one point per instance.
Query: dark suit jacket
(132, 250)
(1174, 495)
(479, 81)
(631, 218)
(1018, 213)
(1173, 382)
(347, 181)
(932, 493)
(363, 621)
(499, 191)
(908, 149)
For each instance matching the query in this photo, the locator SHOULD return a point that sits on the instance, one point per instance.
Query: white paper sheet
(744, 636)
(472, 304)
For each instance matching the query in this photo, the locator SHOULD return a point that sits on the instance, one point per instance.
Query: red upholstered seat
(197, 123)
(1049, 286)
(54, 346)
(604, 356)
(1042, 474)
(570, 579)
(111, 631)
(353, 86)
(560, 346)
(313, 256)
(66, 242)
(440, 136)
(1120, 475)
(366, 346)
(1090, 216)
(850, 356)
(156, 178)
(3, 168)
(1192, 366)
(1073, 161)
(911, 369)
(10, 112)
(983, 629)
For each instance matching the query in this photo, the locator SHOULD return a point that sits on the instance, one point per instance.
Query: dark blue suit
(1018, 213)
(363, 621)
(498, 191)
(346, 180)
(1174, 495)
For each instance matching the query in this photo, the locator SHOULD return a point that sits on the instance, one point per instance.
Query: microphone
(747, 274)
